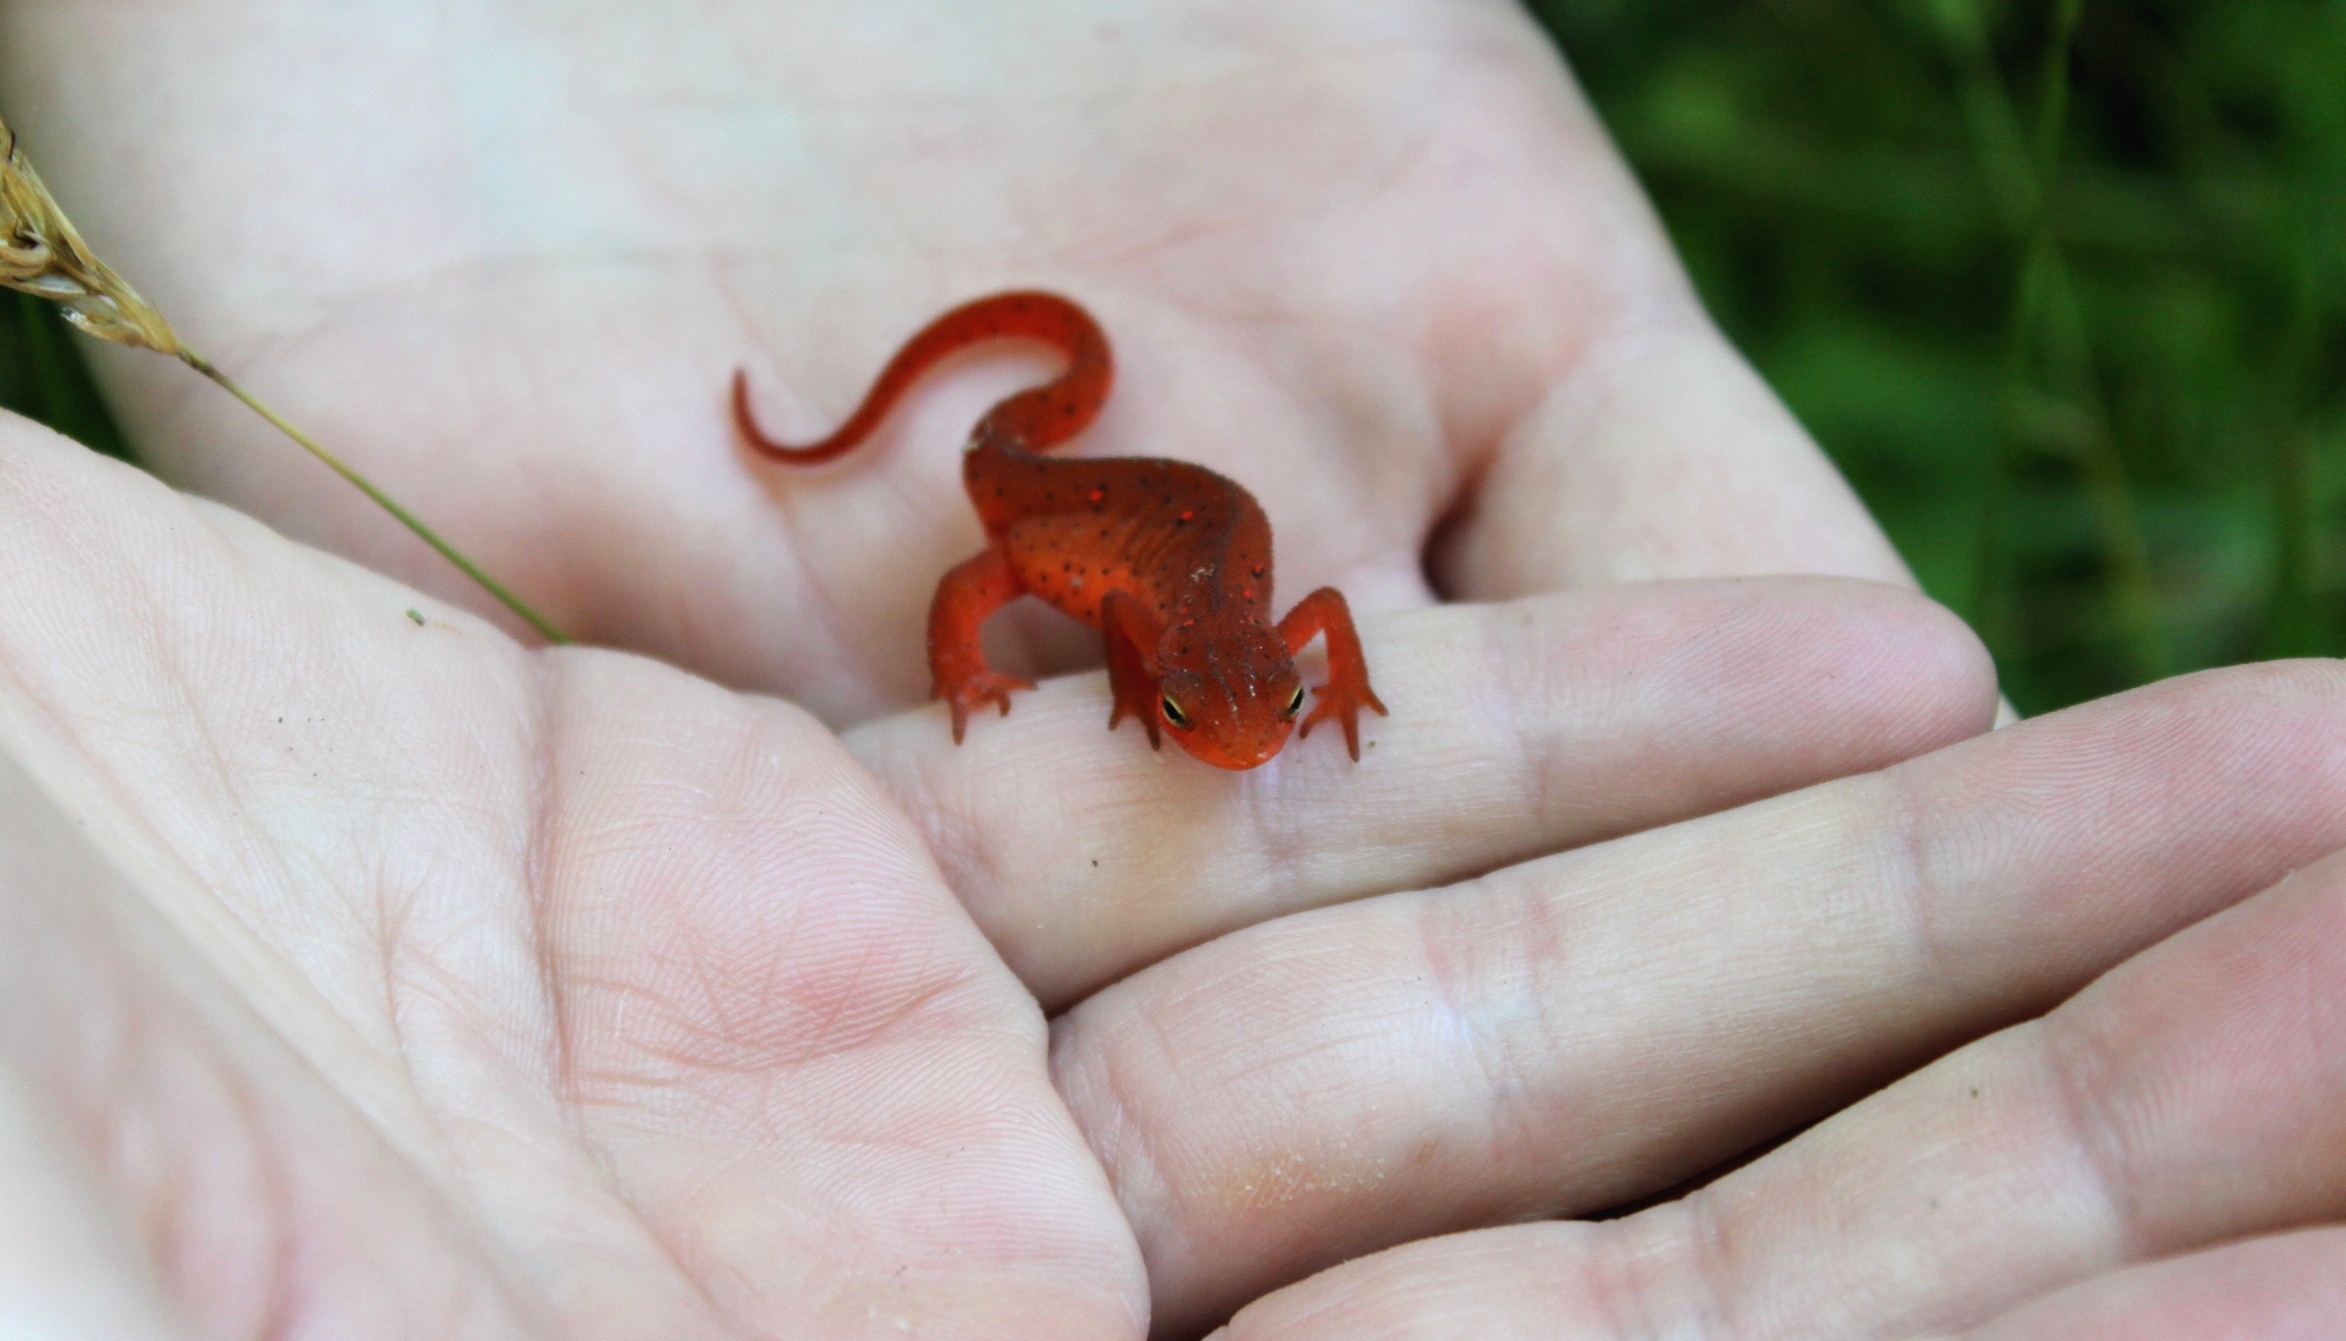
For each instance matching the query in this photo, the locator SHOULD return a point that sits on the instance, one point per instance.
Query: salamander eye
(1174, 715)
(1294, 703)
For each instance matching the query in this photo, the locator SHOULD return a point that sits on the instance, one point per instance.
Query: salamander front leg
(957, 660)
(1347, 690)
(1133, 633)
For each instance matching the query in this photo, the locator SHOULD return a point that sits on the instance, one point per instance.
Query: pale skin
(376, 977)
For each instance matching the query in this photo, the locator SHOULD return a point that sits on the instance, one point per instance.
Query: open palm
(1374, 260)
(411, 984)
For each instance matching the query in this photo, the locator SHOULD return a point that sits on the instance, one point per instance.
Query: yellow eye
(1294, 703)
(1175, 716)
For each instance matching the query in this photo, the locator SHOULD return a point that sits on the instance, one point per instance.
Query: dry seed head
(41, 254)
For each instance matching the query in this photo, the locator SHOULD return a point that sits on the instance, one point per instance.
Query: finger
(1583, 1030)
(2190, 1097)
(1659, 455)
(188, 1174)
(1514, 730)
(2286, 1286)
(67, 1268)
(1544, 1281)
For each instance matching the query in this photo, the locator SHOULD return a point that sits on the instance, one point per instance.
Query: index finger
(1516, 729)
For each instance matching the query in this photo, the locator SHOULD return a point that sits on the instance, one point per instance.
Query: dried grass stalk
(42, 254)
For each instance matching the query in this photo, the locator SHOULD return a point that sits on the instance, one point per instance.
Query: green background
(2060, 287)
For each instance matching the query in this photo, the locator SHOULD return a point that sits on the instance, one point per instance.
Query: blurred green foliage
(42, 376)
(2061, 287)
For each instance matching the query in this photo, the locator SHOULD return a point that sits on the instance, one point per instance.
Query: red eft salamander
(1169, 560)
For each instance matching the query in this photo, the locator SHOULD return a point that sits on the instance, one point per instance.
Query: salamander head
(1231, 699)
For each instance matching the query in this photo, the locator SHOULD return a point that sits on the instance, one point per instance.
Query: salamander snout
(1237, 715)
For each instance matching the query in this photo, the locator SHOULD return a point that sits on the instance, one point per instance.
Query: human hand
(1376, 261)
(368, 974)
(391, 979)
(2157, 1153)
(2156, 1157)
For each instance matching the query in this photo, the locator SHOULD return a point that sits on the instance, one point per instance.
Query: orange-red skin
(1171, 561)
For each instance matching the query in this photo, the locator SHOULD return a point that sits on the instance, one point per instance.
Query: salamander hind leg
(1347, 690)
(957, 659)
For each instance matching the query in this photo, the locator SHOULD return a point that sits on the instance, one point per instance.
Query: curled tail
(1035, 419)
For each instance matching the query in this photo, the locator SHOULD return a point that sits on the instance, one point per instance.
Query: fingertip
(1939, 666)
